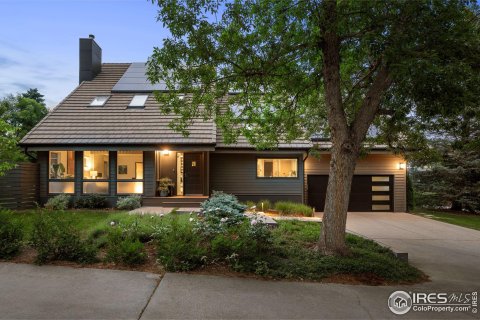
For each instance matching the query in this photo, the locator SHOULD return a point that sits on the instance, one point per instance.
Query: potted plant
(164, 185)
(58, 170)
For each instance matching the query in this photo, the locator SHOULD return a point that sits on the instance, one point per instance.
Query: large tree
(275, 70)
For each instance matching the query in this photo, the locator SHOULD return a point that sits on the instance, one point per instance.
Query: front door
(193, 173)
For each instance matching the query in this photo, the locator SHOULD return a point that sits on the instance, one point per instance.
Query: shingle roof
(74, 122)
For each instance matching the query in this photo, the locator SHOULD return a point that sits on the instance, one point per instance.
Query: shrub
(243, 246)
(59, 202)
(129, 203)
(249, 204)
(179, 246)
(91, 201)
(410, 194)
(223, 202)
(55, 238)
(124, 248)
(292, 208)
(11, 236)
(267, 205)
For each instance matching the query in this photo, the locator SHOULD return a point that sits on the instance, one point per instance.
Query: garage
(368, 193)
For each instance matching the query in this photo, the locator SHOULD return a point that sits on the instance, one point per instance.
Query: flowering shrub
(124, 247)
(129, 203)
(91, 201)
(59, 202)
(10, 238)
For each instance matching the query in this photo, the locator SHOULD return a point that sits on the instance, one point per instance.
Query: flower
(223, 219)
(253, 222)
(191, 219)
(161, 215)
(112, 223)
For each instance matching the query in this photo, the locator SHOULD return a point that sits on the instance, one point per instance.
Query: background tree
(23, 111)
(10, 154)
(277, 70)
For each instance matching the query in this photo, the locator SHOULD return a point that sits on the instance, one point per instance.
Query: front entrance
(193, 173)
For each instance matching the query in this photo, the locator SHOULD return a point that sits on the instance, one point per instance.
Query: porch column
(78, 173)
(150, 181)
(112, 156)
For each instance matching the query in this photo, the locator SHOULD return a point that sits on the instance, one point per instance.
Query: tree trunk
(332, 237)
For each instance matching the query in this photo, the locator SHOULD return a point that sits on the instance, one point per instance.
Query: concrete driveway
(449, 254)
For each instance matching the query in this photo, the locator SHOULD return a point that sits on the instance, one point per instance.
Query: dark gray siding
(150, 183)
(237, 174)
(42, 160)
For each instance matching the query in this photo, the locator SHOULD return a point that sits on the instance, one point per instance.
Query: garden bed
(286, 252)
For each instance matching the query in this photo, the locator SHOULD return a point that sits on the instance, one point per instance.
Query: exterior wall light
(401, 166)
(166, 152)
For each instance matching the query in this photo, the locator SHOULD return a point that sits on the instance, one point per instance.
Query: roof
(73, 122)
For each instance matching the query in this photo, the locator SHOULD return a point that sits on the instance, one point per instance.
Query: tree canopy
(355, 71)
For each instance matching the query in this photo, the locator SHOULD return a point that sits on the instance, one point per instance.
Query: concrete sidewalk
(51, 292)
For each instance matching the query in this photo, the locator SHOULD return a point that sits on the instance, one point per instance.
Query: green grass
(293, 208)
(466, 220)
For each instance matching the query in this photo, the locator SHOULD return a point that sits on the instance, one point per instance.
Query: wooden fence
(19, 188)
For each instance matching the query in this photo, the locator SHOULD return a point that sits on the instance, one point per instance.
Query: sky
(39, 40)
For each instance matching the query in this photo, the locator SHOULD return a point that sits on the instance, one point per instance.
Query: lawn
(182, 242)
(462, 219)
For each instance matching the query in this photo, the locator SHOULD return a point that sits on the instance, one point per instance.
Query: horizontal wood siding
(20, 187)
(372, 164)
(237, 174)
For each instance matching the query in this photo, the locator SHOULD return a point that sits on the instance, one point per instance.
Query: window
(61, 165)
(380, 188)
(61, 171)
(130, 172)
(99, 101)
(277, 168)
(377, 207)
(138, 101)
(380, 178)
(95, 167)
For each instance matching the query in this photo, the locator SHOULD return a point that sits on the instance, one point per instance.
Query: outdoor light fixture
(166, 152)
(401, 165)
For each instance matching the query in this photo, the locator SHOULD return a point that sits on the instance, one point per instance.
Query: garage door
(368, 193)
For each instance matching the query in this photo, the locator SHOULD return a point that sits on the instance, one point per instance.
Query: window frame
(276, 158)
(69, 180)
(83, 179)
(130, 180)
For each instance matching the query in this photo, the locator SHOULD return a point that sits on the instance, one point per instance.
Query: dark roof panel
(135, 80)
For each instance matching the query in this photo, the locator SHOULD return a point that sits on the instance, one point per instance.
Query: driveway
(449, 254)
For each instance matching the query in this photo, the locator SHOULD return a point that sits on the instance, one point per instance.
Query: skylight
(99, 101)
(138, 101)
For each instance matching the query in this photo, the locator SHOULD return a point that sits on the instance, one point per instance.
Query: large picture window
(61, 171)
(130, 172)
(95, 167)
(277, 168)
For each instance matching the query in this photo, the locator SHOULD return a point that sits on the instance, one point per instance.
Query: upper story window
(277, 168)
(138, 101)
(99, 101)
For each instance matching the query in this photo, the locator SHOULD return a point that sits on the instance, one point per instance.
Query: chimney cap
(91, 36)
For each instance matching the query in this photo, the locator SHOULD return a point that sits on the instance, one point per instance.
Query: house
(109, 137)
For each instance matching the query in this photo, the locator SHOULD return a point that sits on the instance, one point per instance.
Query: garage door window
(277, 168)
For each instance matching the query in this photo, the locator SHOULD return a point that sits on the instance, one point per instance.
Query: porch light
(166, 152)
(401, 166)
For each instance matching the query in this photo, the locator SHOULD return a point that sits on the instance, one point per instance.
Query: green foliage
(129, 203)
(59, 202)
(124, 248)
(250, 204)
(264, 205)
(34, 94)
(57, 238)
(10, 154)
(11, 235)
(293, 208)
(91, 201)
(179, 246)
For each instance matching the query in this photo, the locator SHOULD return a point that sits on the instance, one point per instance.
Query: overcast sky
(39, 40)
